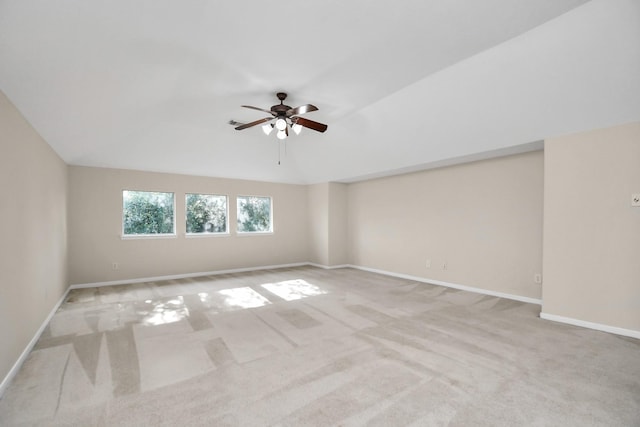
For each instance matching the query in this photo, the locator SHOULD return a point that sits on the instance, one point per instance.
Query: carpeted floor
(311, 347)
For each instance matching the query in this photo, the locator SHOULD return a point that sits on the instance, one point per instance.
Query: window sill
(254, 233)
(147, 236)
(205, 235)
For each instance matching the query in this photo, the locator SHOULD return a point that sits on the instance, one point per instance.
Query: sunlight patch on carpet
(291, 290)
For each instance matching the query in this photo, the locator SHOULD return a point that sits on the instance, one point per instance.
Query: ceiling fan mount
(285, 118)
(280, 109)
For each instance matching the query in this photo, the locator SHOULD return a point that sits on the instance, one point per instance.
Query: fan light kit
(286, 118)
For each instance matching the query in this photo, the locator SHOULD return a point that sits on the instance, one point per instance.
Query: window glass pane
(254, 214)
(206, 213)
(145, 212)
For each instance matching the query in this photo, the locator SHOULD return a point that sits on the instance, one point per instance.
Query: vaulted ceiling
(151, 85)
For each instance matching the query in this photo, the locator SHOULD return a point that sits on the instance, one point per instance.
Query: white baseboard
(184, 276)
(451, 285)
(591, 325)
(328, 267)
(16, 366)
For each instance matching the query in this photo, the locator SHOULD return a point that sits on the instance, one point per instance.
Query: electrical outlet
(635, 200)
(537, 278)
(428, 263)
(115, 266)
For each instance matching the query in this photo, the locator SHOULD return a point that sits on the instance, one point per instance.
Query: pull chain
(280, 149)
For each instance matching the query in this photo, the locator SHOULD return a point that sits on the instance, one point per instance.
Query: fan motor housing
(280, 109)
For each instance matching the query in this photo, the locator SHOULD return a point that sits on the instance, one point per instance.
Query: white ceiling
(151, 85)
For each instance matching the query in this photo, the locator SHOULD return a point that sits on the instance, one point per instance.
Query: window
(147, 213)
(254, 214)
(206, 213)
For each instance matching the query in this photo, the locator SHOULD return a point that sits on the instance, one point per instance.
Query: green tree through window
(145, 212)
(206, 213)
(254, 214)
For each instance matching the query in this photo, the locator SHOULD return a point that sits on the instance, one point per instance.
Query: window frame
(207, 234)
(255, 233)
(171, 235)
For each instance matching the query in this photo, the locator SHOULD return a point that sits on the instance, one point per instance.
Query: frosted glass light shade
(281, 124)
(297, 128)
(267, 128)
(281, 134)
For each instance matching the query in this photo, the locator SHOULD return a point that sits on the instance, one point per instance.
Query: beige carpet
(310, 347)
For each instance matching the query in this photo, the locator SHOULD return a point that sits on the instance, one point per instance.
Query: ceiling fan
(285, 118)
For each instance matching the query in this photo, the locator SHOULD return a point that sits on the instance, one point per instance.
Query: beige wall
(483, 219)
(33, 248)
(592, 234)
(328, 224)
(95, 214)
(318, 208)
(338, 224)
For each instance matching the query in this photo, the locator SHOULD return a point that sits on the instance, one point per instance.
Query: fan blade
(301, 110)
(311, 124)
(257, 122)
(259, 109)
